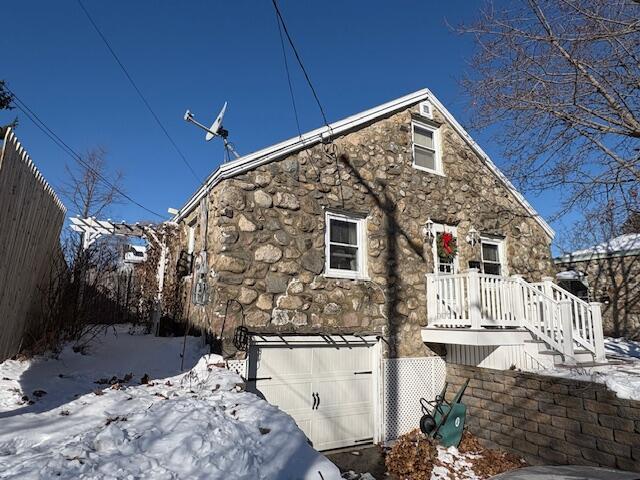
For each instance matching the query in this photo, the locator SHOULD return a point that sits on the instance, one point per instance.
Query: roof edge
(590, 256)
(294, 144)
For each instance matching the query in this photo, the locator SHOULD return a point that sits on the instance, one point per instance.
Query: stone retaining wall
(549, 419)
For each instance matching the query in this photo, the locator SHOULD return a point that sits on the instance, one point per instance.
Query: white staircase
(563, 326)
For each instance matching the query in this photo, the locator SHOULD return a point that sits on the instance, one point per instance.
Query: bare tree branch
(560, 79)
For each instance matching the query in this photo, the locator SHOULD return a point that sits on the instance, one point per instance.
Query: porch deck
(472, 308)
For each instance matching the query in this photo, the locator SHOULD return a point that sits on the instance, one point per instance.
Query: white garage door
(327, 390)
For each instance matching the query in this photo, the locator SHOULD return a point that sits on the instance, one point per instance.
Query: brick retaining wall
(549, 419)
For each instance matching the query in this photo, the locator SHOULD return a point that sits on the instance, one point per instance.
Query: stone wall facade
(614, 281)
(551, 420)
(266, 234)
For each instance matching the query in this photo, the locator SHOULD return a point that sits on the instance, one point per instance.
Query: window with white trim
(491, 252)
(426, 148)
(345, 246)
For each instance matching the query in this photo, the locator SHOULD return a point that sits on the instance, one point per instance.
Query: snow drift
(196, 425)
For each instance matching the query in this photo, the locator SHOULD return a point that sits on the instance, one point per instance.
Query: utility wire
(31, 115)
(286, 67)
(295, 51)
(331, 149)
(139, 92)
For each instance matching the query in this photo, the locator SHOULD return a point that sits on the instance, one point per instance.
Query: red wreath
(447, 246)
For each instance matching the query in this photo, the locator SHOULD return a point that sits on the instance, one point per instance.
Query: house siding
(266, 235)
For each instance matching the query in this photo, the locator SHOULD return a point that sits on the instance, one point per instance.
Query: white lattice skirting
(239, 367)
(405, 381)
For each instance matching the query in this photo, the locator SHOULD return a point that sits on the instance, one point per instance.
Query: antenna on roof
(216, 130)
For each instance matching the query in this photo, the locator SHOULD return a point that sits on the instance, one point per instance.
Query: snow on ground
(621, 375)
(196, 425)
(453, 464)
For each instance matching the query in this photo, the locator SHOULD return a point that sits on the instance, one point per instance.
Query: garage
(328, 385)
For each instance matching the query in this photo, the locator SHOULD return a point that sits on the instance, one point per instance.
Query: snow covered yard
(57, 422)
(622, 374)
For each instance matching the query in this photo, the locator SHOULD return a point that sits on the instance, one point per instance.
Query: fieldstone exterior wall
(614, 282)
(550, 420)
(266, 235)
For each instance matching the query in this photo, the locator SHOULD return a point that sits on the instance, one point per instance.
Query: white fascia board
(468, 336)
(274, 152)
(292, 145)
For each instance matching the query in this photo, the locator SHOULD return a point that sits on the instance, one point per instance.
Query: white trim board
(292, 145)
(468, 336)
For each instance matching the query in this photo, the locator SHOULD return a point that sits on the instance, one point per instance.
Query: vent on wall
(426, 110)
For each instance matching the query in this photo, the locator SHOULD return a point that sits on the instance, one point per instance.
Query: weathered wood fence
(31, 218)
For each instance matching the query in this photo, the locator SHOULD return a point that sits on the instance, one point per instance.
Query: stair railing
(476, 300)
(586, 318)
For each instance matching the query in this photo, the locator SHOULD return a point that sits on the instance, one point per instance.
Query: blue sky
(197, 55)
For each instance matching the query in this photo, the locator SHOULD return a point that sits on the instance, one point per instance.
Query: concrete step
(579, 356)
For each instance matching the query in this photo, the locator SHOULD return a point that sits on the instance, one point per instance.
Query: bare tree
(89, 195)
(92, 269)
(559, 81)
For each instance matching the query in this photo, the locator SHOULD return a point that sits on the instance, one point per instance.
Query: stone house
(312, 255)
(607, 273)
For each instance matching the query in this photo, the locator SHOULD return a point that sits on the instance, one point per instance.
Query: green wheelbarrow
(444, 421)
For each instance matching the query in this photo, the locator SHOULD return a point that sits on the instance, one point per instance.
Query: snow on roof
(570, 275)
(327, 132)
(624, 245)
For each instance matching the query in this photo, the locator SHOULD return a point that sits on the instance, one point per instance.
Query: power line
(139, 92)
(330, 150)
(286, 67)
(295, 51)
(31, 115)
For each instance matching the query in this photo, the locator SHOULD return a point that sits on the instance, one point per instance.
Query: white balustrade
(476, 300)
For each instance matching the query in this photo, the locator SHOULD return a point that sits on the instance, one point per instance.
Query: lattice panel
(405, 381)
(239, 367)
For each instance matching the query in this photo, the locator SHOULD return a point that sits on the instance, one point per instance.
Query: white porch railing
(474, 300)
(586, 317)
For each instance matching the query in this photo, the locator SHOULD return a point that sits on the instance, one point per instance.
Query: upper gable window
(426, 148)
(345, 246)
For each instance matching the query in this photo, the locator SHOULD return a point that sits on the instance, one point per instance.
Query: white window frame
(436, 148)
(191, 237)
(361, 232)
(499, 242)
(441, 228)
(426, 109)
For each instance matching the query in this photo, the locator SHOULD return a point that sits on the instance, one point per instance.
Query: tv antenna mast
(216, 130)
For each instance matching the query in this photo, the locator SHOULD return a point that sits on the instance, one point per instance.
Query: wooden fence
(31, 218)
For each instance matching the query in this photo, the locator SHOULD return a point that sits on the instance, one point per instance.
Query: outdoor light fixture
(473, 236)
(427, 230)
